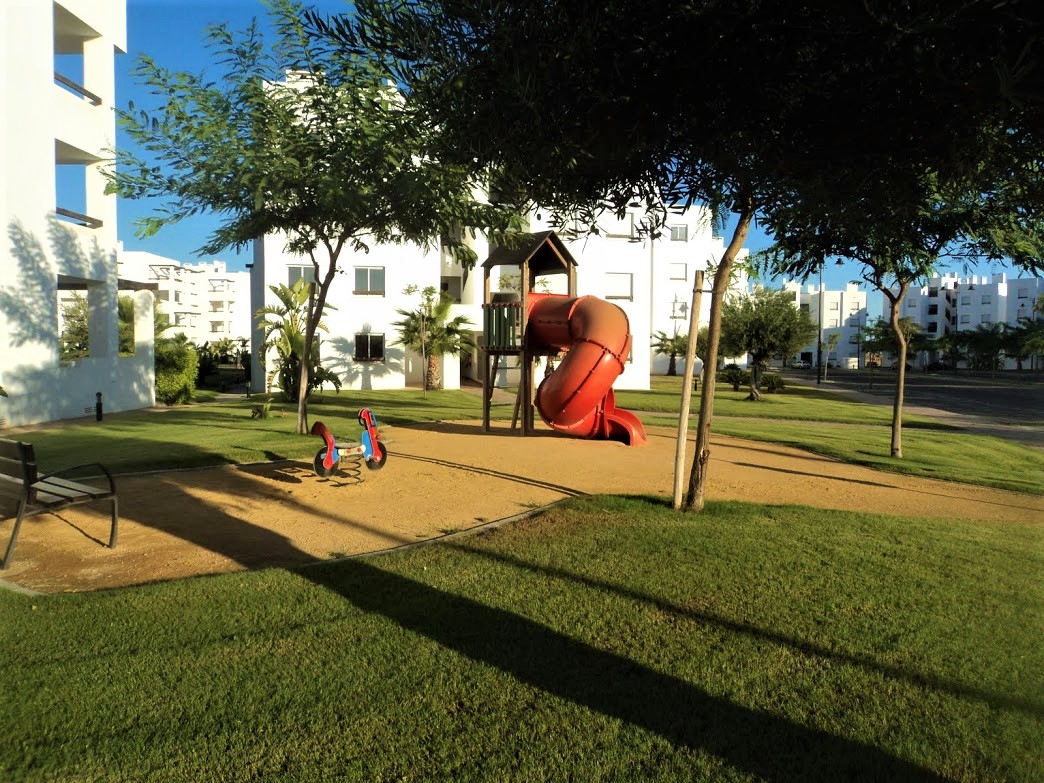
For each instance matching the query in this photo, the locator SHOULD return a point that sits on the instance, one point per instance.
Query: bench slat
(74, 486)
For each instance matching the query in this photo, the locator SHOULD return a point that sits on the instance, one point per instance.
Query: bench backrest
(18, 460)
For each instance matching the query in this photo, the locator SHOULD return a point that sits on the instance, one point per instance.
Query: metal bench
(24, 492)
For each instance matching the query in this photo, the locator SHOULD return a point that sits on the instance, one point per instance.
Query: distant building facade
(204, 301)
(840, 312)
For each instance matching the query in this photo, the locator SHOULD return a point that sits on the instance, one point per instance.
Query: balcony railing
(83, 220)
(65, 81)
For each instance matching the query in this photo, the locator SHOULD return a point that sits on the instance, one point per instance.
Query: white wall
(45, 125)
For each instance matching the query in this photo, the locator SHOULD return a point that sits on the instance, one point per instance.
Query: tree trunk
(686, 396)
(698, 475)
(900, 378)
(434, 379)
(302, 383)
(755, 382)
(672, 365)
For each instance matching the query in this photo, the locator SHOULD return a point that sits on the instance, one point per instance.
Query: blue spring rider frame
(369, 449)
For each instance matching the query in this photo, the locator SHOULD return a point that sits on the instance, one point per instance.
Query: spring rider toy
(370, 449)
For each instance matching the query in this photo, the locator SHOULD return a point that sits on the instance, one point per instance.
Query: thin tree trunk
(900, 380)
(672, 365)
(698, 475)
(686, 395)
(302, 383)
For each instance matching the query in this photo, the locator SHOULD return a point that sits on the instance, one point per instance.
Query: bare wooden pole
(686, 398)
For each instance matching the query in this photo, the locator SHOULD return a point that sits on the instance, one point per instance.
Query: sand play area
(440, 478)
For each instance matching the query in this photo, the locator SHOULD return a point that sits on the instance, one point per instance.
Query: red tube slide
(577, 398)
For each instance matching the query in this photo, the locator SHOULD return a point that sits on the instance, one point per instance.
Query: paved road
(1003, 400)
(1010, 408)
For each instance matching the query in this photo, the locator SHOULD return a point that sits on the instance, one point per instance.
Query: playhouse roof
(544, 251)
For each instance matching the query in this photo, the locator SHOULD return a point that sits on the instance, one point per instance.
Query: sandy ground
(439, 478)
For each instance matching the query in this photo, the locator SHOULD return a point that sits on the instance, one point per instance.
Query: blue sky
(171, 32)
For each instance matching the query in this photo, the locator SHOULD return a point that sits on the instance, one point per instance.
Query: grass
(608, 639)
(798, 403)
(213, 433)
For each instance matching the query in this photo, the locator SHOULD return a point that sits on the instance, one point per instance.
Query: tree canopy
(290, 139)
(763, 324)
(809, 113)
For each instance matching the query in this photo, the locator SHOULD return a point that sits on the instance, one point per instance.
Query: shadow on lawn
(752, 741)
(845, 480)
(808, 648)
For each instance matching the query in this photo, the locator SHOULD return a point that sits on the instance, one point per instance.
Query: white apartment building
(651, 280)
(948, 303)
(842, 313)
(204, 301)
(58, 92)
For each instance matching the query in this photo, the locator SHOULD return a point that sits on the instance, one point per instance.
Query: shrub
(176, 367)
(772, 383)
(734, 374)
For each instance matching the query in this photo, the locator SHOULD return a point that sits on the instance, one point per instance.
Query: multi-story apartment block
(58, 123)
(204, 301)
(948, 303)
(842, 313)
(651, 280)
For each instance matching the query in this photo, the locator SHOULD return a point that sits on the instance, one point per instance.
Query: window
(216, 327)
(833, 306)
(618, 285)
(177, 296)
(987, 318)
(679, 272)
(933, 327)
(965, 318)
(1023, 293)
(933, 309)
(911, 304)
(369, 347)
(933, 292)
(832, 324)
(369, 281)
(217, 307)
(987, 298)
(163, 296)
(966, 299)
(295, 273)
(679, 309)
(679, 233)
(804, 309)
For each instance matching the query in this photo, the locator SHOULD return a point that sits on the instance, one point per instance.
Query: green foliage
(773, 382)
(284, 330)
(735, 375)
(74, 341)
(176, 369)
(763, 324)
(331, 156)
(431, 332)
(671, 346)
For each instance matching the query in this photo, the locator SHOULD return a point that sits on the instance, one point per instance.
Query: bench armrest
(70, 469)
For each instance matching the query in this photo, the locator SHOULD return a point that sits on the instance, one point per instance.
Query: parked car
(801, 365)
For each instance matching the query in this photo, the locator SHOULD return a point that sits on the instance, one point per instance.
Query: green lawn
(215, 432)
(797, 402)
(609, 639)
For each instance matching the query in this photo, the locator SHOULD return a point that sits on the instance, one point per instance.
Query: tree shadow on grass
(755, 742)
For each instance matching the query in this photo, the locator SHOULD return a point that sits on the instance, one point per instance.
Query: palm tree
(432, 333)
(284, 326)
(670, 347)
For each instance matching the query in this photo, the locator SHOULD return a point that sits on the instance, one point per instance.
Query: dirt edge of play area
(441, 478)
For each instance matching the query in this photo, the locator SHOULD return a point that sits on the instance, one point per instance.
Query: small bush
(176, 368)
(734, 374)
(772, 383)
